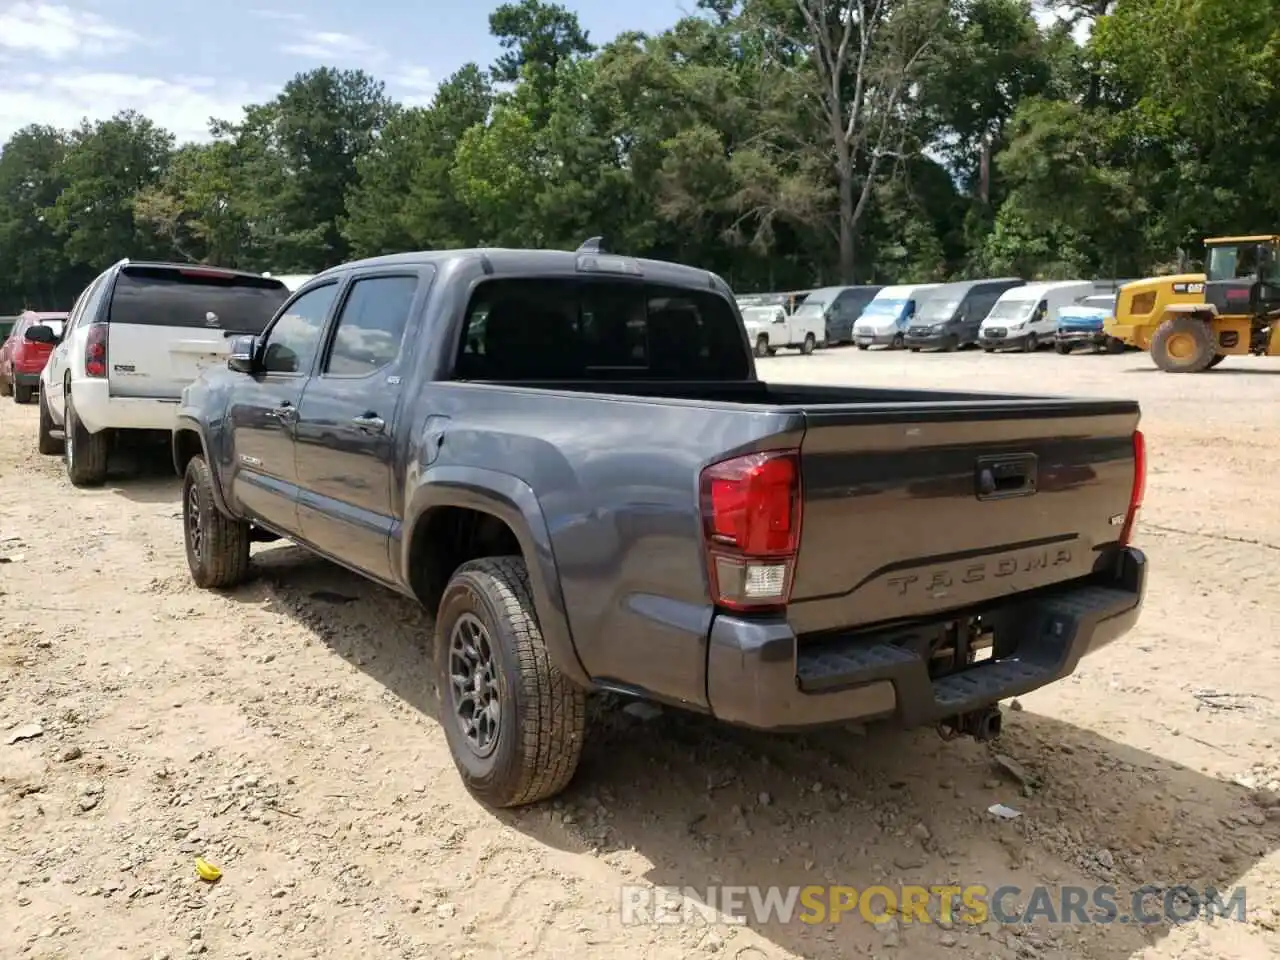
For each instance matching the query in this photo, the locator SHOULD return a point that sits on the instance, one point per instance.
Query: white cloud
(334, 48)
(181, 105)
(285, 15)
(418, 85)
(55, 32)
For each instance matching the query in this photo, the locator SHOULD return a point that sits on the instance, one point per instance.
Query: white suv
(136, 336)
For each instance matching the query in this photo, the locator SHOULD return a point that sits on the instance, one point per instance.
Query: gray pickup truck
(569, 457)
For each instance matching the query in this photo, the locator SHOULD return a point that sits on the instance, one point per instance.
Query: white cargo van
(884, 320)
(1026, 317)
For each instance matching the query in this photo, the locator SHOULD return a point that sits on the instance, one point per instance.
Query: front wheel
(864, 346)
(1062, 348)
(1031, 344)
(762, 346)
(1183, 345)
(1115, 346)
(22, 394)
(897, 343)
(809, 343)
(217, 546)
(952, 344)
(514, 723)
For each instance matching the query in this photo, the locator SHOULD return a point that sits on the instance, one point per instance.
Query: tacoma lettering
(972, 573)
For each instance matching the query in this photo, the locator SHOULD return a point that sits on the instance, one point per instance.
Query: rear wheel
(1183, 345)
(46, 442)
(85, 452)
(217, 546)
(810, 341)
(22, 394)
(762, 346)
(514, 723)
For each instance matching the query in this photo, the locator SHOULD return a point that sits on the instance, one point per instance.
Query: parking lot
(285, 733)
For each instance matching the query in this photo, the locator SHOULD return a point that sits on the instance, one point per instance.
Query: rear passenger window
(554, 329)
(371, 325)
(294, 339)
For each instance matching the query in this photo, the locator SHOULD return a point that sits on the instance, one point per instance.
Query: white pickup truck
(769, 328)
(136, 336)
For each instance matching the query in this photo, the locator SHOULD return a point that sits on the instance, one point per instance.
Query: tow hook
(981, 724)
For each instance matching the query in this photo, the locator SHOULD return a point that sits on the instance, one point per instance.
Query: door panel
(263, 414)
(344, 438)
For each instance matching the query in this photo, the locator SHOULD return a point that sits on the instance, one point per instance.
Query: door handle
(286, 413)
(369, 423)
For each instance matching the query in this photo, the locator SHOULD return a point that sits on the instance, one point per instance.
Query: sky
(182, 62)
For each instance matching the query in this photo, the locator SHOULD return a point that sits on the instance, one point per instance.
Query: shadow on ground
(143, 473)
(704, 804)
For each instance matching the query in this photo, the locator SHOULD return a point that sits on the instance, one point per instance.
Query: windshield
(759, 314)
(811, 307)
(1009, 311)
(884, 308)
(1098, 303)
(938, 309)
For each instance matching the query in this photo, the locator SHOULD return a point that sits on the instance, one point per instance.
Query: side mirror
(41, 334)
(780, 318)
(243, 351)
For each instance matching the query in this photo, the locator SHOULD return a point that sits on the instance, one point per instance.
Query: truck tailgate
(914, 510)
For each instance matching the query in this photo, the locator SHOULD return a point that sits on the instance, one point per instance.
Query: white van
(1026, 317)
(884, 320)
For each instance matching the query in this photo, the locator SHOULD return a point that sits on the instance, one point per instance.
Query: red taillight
(95, 351)
(751, 508)
(1139, 489)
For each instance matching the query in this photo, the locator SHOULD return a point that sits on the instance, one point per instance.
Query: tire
(217, 546)
(22, 394)
(988, 349)
(85, 453)
(1114, 346)
(915, 349)
(762, 346)
(864, 346)
(46, 442)
(534, 751)
(898, 342)
(1062, 348)
(952, 345)
(1182, 345)
(1031, 344)
(810, 342)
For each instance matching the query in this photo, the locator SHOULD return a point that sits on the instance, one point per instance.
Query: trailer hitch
(982, 725)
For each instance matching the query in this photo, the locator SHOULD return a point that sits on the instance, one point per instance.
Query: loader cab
(1243, 275)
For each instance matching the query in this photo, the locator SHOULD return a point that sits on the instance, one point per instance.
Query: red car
(21, 360)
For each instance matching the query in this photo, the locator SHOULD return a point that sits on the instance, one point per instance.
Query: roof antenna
(593, 245)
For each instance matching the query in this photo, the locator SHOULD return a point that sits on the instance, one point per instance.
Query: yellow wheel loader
(1232, 309)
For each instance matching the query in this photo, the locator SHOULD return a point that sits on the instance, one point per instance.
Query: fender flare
(188, 424)
(512, 501)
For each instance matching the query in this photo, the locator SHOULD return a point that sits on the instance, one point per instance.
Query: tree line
(781, 143)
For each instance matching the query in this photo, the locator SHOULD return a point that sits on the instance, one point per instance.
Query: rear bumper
(98, 410)
(757, 676)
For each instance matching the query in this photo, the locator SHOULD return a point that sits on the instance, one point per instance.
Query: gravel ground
(285, 733)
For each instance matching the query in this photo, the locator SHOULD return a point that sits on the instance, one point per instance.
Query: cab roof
(1029, 291)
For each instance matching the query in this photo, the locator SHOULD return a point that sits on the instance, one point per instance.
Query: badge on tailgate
(998, 477)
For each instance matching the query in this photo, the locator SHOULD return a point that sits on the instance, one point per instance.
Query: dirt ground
(286, 733)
